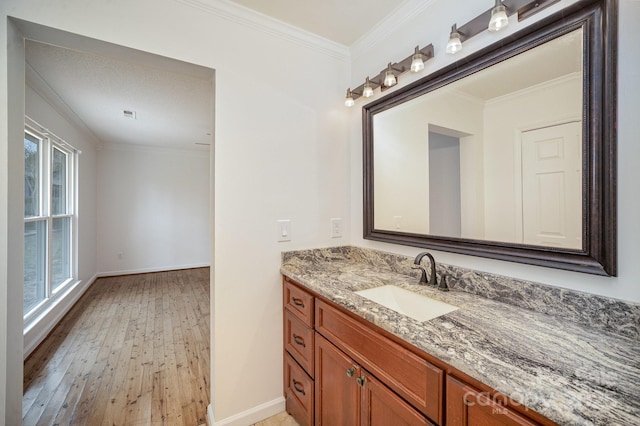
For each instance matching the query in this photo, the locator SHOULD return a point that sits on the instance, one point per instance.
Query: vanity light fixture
(493, 19)
(389, 77)
(348, 100)
(454, 45)
(499, 18)
(417, 61)
(367, 90)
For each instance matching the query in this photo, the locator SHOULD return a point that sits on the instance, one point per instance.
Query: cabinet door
(337, 392)
(468, 406)
(382, 407)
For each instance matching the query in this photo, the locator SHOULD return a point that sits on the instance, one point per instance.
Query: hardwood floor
(133, 351)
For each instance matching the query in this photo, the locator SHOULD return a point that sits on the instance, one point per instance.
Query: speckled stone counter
(570, 356)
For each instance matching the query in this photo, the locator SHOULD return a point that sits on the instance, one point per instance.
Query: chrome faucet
(423, 278)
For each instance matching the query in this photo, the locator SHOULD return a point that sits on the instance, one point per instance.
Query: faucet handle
(443, 282)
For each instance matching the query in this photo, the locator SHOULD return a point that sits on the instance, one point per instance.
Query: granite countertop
(567, 366)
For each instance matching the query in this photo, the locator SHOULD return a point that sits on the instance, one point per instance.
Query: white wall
(432, 26)
(153, 209)
(281, 151)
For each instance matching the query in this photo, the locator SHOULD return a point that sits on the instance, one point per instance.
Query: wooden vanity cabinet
(342, 370)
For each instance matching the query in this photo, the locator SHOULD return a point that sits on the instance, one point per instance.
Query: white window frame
(49, 142)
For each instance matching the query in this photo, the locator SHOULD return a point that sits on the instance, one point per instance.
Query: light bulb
(499, 18)
(390, 77)
(367, 90)
(454, 44)
(417, 62)
(348, 100)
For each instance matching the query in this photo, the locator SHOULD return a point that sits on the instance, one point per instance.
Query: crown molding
(258, 21)
(385, 28)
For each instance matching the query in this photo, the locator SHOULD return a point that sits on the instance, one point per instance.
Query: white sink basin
(414, 305)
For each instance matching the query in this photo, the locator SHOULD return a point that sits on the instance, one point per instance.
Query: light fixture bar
(524, 9)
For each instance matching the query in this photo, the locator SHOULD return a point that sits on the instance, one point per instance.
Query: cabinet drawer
(298, 340)
(468, 406)
(413, 378)
(298, 302)
(299, 392)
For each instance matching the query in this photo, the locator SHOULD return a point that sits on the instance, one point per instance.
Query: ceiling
(172, 108)
(342, 21)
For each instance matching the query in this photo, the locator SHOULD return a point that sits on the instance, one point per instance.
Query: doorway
(65, 40)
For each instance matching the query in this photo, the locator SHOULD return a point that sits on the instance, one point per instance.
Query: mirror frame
(598, 20)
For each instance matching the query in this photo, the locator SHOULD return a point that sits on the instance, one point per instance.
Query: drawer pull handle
(299, 340)
(351, 371)
(297, 302)
(361, 381)
(298, 387)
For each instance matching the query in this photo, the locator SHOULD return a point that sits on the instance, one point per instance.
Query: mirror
(508, 154)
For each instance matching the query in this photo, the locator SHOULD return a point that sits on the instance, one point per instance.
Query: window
(49, 218)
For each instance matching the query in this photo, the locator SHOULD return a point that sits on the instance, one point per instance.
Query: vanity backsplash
(598, 312)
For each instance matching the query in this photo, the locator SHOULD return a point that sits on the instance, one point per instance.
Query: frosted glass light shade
(454, 44)
(367, 90)
(348, 100)
(389, 79)
(499, 18)
(417, 63)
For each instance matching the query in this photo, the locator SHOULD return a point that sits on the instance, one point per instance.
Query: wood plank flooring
(134, 350)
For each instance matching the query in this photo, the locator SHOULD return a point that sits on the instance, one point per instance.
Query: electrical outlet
(336, 227)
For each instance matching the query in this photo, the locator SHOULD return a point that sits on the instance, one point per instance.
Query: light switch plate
(336, 227)
(284, 230)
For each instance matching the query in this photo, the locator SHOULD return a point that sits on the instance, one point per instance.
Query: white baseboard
(250, 416)
(152, 269)
(40, 327)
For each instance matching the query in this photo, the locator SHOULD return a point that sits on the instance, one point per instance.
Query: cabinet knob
(299, 340)
(361, 381)
(351, 371)
(297, 302)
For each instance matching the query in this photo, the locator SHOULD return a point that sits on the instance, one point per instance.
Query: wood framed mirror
(509, 153)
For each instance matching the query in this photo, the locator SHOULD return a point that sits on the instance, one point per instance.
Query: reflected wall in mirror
(494, 156)
(508, 153)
